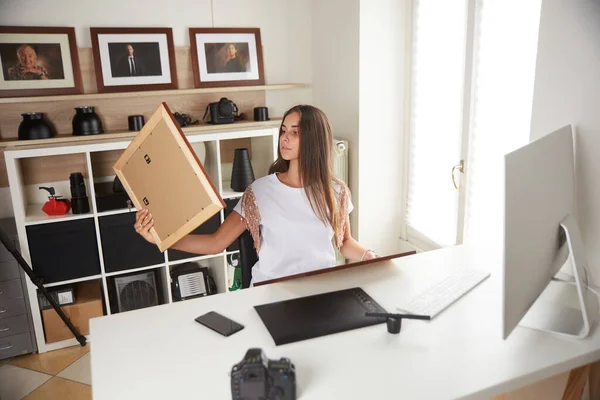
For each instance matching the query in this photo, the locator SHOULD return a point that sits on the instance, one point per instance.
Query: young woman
(295, 215)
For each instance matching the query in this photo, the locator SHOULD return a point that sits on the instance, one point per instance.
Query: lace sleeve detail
(251, 216)
(344, 198)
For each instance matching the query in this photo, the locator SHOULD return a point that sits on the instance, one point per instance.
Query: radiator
(340, 159)
(340, 170)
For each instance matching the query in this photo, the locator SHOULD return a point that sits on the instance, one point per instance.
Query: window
(472, 76)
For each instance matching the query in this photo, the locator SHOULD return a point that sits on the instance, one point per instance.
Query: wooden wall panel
(228, 148)
(3, 175)
(102, 162)
(88, 75)
(52, 168)
(185, 72)
(114, 112)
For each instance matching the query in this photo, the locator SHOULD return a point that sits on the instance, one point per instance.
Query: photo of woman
(227, 57)
(31, 61)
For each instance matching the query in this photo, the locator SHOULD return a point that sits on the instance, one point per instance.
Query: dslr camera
(256, 377)
(222, 112)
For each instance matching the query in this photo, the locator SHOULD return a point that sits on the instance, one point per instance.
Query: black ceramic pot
(261, 114)
(242, 174)
(86, 122)
(135, 122)
(35, 126)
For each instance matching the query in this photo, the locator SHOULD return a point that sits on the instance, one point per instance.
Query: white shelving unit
(27, 201)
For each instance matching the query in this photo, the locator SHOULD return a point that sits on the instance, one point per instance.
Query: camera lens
(79, 199)
(225, 108)
(77, 184)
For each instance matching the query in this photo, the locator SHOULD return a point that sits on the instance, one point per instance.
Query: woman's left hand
(370, 254)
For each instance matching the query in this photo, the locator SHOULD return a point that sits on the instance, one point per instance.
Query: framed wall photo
(134, 59)
(226, 57)
(38, 61)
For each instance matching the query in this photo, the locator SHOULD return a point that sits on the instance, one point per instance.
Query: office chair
(248, 257)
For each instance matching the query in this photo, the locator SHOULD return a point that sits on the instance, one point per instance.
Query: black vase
(261, 114)
(35, 126)
(135, 122)
(86, 122)
(242, 174)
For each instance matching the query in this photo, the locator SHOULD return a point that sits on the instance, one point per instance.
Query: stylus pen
(407, 316)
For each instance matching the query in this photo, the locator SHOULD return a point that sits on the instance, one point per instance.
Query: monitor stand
(566, 308)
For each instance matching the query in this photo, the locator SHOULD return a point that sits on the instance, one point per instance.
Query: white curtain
(437, 75)
(498, 114)
(504, 69)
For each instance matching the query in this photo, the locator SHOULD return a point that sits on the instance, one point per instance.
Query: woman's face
(27, 57)
(231, 50)
(289, 140)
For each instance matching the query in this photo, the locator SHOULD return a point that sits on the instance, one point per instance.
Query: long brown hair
(315, 162)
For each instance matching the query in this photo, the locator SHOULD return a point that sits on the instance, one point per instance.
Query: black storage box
(107, 199)
(122, 247)
(64, 250)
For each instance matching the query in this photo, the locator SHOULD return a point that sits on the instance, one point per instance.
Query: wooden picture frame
(212, 64)
(152, 67)
(39, 61)
(160, 172)
(336, 268)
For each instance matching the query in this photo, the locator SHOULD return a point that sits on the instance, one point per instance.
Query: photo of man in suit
(134, 59)
(129, 65)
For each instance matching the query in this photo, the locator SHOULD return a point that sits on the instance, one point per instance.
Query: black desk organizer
(319, 315)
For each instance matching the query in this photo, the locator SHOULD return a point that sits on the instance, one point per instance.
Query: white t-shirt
(293, 239)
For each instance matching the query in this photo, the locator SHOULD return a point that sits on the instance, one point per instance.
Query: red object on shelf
(56, 207)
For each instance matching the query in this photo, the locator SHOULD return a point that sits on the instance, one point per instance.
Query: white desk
(161, 353)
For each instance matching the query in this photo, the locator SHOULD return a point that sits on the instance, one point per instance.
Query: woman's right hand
(143, 223)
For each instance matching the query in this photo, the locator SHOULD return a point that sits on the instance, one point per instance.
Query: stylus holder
(394, 321)
(394, 324)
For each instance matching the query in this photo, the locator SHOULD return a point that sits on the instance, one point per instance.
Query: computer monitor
(541, 238)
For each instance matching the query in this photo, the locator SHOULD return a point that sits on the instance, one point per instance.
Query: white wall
(287, 47)
(382, 90)
(285, 33)
(335, 47)
(567, 91)
(358, 81)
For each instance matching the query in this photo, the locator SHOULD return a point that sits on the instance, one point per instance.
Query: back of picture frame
(160, 172)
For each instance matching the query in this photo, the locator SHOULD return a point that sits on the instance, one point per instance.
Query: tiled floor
(60, 374)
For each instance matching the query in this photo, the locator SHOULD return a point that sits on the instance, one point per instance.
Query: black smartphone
(219, 323)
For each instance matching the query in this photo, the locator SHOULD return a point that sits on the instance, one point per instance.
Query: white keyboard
(437, 298)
